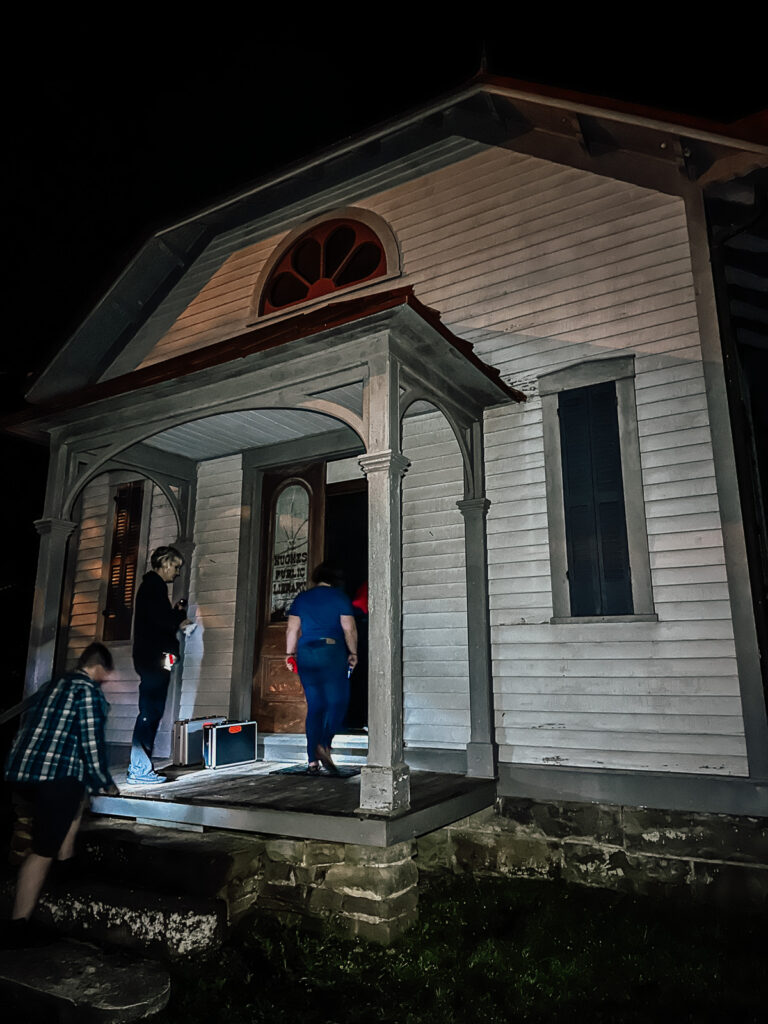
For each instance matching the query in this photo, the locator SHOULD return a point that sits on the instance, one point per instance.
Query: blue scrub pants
(323, 674)
(153, 690)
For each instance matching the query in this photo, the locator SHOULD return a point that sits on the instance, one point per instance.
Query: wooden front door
(293, 523)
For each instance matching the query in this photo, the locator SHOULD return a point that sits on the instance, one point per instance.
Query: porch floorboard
(249, 799)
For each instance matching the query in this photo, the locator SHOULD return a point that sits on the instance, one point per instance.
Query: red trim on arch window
(334, 255)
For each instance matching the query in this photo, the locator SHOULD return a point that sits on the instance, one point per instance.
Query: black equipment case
(188, 738)
(229, 743)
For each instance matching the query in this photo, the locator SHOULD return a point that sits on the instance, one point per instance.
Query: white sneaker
(150, 779)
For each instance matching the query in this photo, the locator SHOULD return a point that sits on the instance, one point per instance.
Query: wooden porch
(253, 799)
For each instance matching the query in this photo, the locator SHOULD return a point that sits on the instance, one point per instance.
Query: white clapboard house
(477, 356)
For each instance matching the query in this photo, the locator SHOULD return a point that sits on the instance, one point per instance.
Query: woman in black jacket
(155, 626)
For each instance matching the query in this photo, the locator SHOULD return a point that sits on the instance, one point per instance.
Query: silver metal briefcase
(229, 744)
(188, 738)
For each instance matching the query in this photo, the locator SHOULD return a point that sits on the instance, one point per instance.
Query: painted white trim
(621, 370)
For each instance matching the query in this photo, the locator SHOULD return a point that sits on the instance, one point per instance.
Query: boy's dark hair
(96, 654)
(329, 573)
(165, 554)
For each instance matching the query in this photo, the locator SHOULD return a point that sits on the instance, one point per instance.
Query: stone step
(348, 748)
(158, 924)
(226, 866)
(76, 982)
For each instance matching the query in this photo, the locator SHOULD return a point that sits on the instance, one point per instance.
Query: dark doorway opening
(346, 545)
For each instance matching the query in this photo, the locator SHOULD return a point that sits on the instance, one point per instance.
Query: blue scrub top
(319, 610)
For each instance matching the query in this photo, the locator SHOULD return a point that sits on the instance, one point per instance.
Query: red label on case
(235, 728)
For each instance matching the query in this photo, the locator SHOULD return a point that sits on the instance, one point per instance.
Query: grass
(491, 951)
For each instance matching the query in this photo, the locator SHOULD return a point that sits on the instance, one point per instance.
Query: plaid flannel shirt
(63, 735)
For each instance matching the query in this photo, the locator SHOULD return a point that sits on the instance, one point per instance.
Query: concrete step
(349, 748)
(224, 866)
(141, 920)
(159, 891)
(154, 923)
(75, 982)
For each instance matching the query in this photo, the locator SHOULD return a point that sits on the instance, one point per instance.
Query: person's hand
(184, 623)
(351, 660)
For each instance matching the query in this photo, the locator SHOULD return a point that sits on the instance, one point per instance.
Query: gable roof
(487, 111)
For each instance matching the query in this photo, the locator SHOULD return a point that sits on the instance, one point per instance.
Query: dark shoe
(313, 769)
(325, 759)
(22, 934)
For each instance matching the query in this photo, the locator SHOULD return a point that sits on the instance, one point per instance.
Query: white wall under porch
(88, 568)
(435, 663)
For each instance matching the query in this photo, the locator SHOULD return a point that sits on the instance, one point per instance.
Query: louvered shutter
(123, 561)
(595, 523)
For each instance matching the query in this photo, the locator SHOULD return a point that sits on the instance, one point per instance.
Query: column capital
(470, 507)
(186, 546)
(57, 527)
(384, 462)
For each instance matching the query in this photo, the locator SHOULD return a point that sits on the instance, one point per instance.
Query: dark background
(116, 129)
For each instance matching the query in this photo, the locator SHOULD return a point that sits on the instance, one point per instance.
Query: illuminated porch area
(331, 385)
(252, 799)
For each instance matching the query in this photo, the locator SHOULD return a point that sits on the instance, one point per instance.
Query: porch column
(46, 607)
(482, 752)
(385, 781)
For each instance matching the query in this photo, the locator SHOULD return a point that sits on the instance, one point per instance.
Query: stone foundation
(364, 891)
(178, 893)
(714, 858)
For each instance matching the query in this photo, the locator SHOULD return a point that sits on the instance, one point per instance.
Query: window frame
(369, 219)
(620, 370)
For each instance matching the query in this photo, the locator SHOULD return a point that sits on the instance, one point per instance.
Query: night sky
(113, 132)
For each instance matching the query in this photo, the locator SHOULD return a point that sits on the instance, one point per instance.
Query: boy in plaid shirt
(58, 757)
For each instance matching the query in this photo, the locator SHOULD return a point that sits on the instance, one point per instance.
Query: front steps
(159, 892)
(172, 894)
(74, 983)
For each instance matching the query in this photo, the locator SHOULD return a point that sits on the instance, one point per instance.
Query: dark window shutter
(123, 561)
(595, 523)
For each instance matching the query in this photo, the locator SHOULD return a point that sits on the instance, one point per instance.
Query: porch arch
(139, 434)
(414, 395)
(147, 474)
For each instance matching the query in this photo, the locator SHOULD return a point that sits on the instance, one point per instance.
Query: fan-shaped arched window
(333, 255)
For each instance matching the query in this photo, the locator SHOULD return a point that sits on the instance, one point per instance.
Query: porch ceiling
(229, 433)
(232, 432)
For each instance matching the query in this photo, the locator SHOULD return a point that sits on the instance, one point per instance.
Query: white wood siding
(541, 265)
(93, 541)
(89, 547)
(208, 655)
(435, 669)
(653, 696)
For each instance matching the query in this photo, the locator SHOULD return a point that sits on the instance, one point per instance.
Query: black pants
(153, 691)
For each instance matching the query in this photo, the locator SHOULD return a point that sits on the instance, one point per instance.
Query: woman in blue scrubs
(322, 637)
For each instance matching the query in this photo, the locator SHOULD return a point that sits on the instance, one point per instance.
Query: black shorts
(55, 803)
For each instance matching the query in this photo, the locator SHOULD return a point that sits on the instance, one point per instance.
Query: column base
(385, 791)
(482, 760)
